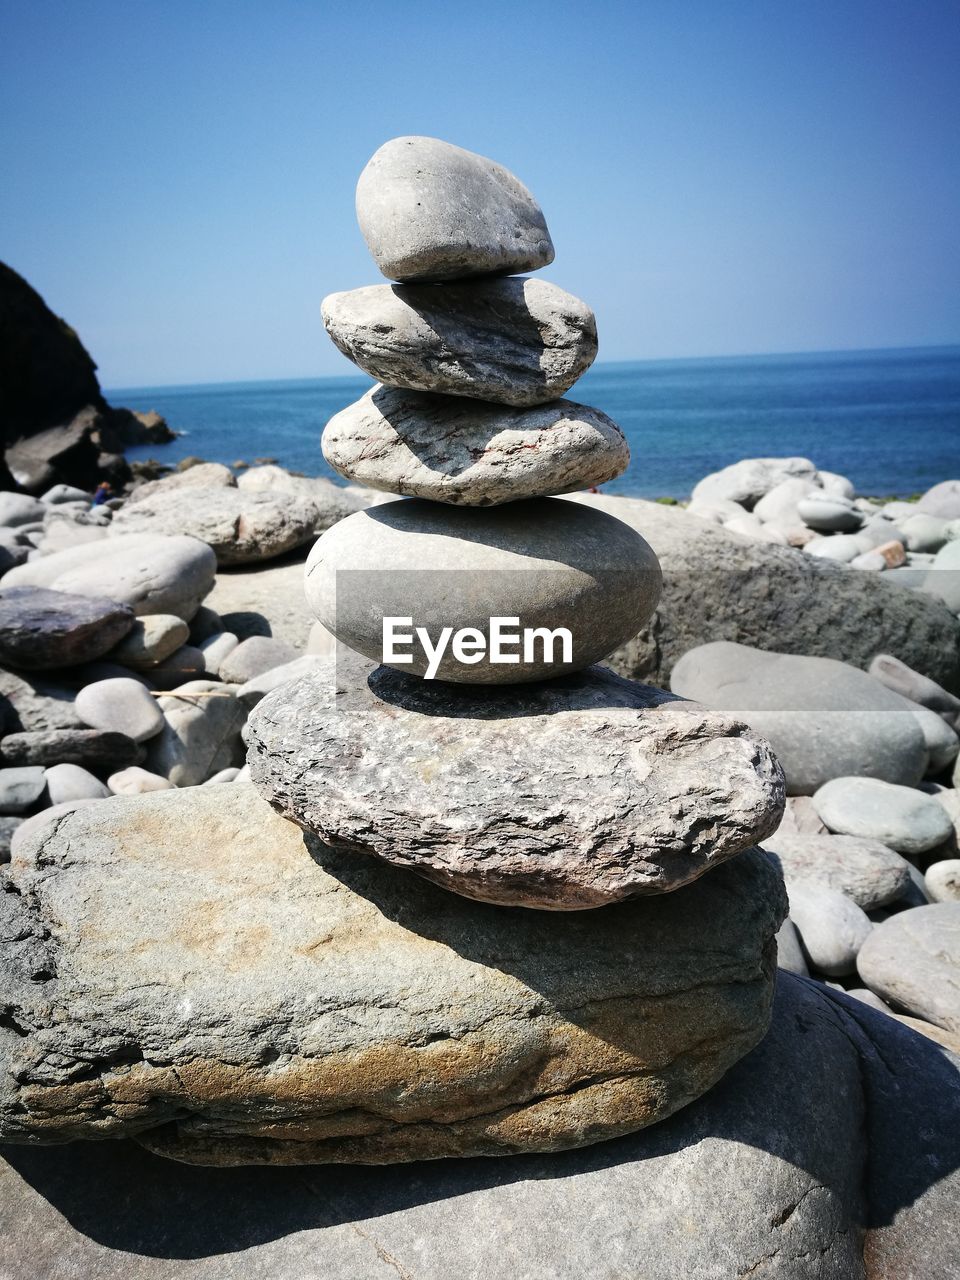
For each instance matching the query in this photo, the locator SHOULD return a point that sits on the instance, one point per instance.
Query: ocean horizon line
(112, 392)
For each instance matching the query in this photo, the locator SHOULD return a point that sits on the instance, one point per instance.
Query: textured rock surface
(471, 453)
(42, 629)
(152, 574)
(824, 719)
(913, 960)
(32, 704)
(869, 873)
(431, 211)
(720, 586)
(330, 502)
(900, 817)
(90, 747)
(449, 567)
(568, 794)
(850, 1182)
(204, 475)
(513, 341)
(239, 525)
(372, 1017)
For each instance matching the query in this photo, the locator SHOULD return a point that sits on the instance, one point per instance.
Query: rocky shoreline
(680, 957)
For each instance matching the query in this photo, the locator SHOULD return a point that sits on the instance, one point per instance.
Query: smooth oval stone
(153, 638)
(136, 781)
(239, 525)
(841, 547)
(121, 705)
(235, 984)
(912, 960)
(942, 500)
(564, 795)
(429, 210)
(896, 675)
(829, 513)
(151, 573)
(900, 817)
(42, 629)
(512, 341)
(823, 718)
(20, 788)
(866, 871)
(832, 929)
(942, 880)
(469, 453)
(66, 782)
(546, 562)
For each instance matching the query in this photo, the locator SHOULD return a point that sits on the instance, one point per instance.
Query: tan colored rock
(228, 990)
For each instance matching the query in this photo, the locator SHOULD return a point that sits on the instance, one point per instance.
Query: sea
(889, 420)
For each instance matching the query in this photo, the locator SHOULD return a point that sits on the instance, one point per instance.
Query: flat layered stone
(93, 748)
(240, 526)
(150, 572)
(544, 562)
(42, 629)
(429, 210)
(567, 794)
(209, 978)
(512, 341)
(471, 453)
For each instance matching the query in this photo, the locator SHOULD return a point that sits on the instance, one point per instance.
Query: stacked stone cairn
(552, 785)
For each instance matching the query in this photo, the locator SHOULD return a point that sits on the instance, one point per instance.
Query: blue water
(889, 420)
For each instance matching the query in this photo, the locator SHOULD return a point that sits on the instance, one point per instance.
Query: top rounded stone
(431, 211)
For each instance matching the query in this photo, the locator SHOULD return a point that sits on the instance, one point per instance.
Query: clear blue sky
(719, 177)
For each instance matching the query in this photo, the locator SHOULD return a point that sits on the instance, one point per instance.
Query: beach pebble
(789, 950)
(843, 547)
(429, 210)
(121, 705)
(832, 929)
(206, 622)
(866, 996)
(468, 453)
(942, 500)
(239, 526)
(254, 656)
(42, 629)
(152, 574)
(511, 341)
(91, 748)
(545, 560)
(867, 872)
(832, 483)
(899, 817)
(717, 511)
(71, 782)
(8, 825)
(871, 560)
(18, 509)
(893, 554)
(942, 579)
(941, 740)
(913, 959)
(204, 475)
(201, 735)
(215, 648)
(135, 781)
(896, 675)
(780, 503)
(153, 637)
(225, 775)
(829, 513)
(824, 719)
(942, 880)
(747, 481)
(750, 527)
(922, 532)
(183, 664)
(21, 788)
(66, 493)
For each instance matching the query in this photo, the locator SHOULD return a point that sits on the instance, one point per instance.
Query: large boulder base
(769, 1174)
(720, 585)
(207, 977)
(563, 795)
